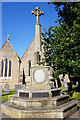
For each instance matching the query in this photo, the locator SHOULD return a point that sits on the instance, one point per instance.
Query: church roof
(7, 41)
(27, 48)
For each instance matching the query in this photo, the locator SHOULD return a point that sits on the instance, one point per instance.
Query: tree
(64, 44)
(68, 12)
(47, 46)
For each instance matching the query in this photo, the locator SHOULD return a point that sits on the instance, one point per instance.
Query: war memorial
(38, 100)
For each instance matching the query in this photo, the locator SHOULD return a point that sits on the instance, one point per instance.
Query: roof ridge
(7, 41)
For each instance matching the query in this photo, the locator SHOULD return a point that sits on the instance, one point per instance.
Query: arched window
(6, 68)
(2, 68)
(9, 68)
(29, 68)
(6, 63)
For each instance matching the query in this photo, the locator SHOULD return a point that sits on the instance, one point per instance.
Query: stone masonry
(7, 52)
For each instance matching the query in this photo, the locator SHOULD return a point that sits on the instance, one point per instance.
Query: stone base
(38, 93)
(62, 111)
(39, 102)
(35, 104)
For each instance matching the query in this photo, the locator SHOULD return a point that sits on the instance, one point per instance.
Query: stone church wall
(8, 53)
(28, 55)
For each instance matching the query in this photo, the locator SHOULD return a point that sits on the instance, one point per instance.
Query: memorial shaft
(37, 12)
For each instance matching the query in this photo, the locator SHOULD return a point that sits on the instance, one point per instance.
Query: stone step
(60, 99)
(39, 102)
(61, 111)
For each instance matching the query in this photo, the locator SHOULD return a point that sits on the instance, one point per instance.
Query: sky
(19, 23)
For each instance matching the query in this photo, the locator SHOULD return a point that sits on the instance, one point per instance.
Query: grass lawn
(5, 96)
(74, 93)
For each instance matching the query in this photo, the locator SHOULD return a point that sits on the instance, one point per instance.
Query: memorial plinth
(55, 107)
(38, 100)
(36, 93)
(39, 84)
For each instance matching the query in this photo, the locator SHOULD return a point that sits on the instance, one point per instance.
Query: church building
(9, 65)
(14, 70)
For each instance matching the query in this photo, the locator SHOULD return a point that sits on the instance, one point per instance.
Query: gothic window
(6, 65)
(2, 68)
(29, 68)
(9, 68)
(6, 68)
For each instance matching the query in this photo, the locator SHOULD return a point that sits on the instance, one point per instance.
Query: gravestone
(65, 85)
(69, 86)
(23, 86)
(0, 90)
(6, 88)
(77, 84)
(66, 77)
(51, 85)
(17, 87)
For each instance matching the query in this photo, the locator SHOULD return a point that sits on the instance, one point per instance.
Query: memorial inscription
(24, 94)
(39, 76)
(40, 95)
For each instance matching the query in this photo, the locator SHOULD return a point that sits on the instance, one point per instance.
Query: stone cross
(8, 36)
(37, 12)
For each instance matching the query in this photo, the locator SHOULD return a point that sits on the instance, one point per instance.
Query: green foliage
(62, 49)
(62, 43)
(5, 96)
(68, 12)
(66, 46)
(47, 43)
(74, 94)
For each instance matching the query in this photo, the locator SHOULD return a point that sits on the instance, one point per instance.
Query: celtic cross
(37, 12)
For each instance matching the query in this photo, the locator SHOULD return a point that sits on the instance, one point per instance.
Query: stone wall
(28, 55)
(8, 53)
